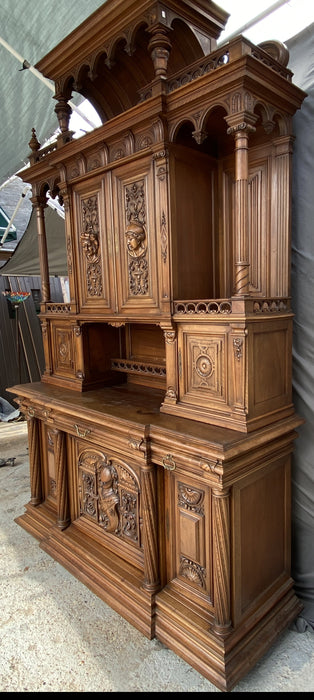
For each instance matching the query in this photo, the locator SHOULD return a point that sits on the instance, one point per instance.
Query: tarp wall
(31, 28)
(301, 62)
(25, 259)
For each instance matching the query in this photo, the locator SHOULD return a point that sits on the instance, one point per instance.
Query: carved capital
(242, 127)
(170, 336)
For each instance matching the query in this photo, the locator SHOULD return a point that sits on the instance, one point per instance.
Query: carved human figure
(135, 235)
(108, 500)
(90, 245)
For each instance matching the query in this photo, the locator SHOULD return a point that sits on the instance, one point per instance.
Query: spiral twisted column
(150, 539)
(63, 509)
(221, 560)
(241, 133)
(34, 461)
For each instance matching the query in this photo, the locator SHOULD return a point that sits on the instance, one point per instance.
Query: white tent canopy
(29, 29)
(25, 260)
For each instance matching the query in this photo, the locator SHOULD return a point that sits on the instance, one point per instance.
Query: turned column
(171, 347)
(159, 47)
(68, 219)
(63, 511)
(241, 133)
(150, 537)
(63, 112)
(34, 458)
(39, 204)
(221, 560)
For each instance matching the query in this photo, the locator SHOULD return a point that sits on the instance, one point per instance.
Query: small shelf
(137, 367)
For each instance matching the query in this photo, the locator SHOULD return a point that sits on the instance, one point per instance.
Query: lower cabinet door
(108, 498)
(188, 535)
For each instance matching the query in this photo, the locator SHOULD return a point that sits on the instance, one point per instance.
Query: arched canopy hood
(113, 58)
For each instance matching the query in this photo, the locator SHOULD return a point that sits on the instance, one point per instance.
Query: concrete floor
(57, 636)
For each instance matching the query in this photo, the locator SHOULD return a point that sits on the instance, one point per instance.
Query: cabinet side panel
(261, 550)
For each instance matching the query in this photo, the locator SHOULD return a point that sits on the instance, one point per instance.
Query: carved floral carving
(90, 245)
(164, 237)
(238, 348)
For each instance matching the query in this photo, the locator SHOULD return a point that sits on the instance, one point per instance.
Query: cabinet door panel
(188, 533)
(135, 237)
(109, 493)
(203, 365)
(94, 247)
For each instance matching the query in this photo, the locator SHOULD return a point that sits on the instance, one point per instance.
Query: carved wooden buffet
(161, 432)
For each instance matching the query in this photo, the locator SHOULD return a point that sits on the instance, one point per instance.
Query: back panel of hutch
(161, 432)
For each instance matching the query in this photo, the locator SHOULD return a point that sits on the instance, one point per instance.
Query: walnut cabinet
(161, 432)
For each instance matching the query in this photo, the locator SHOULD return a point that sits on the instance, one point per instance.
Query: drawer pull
(169, 463)
(81, 433)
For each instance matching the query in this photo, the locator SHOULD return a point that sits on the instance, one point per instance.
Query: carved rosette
(90, 245)
(138, 271)
(109, 495)
(204, 366)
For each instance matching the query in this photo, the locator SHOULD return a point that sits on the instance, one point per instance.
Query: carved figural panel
(91, 246)
(135, 229)
(137, 259)
(109, 495)
(136, 238)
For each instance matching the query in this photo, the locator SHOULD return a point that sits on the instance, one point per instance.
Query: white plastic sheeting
(31, 28)
(301, 62)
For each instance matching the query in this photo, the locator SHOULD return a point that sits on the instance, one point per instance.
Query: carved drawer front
(109, 494)
(188, 533)
(135, 237)
(94, 247)
(203, 365)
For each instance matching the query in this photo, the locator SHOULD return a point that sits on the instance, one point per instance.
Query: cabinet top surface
(139, 407)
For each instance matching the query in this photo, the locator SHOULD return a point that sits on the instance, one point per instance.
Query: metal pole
(16, 307)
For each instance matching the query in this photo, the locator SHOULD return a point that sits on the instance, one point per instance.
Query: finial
(34, 143)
